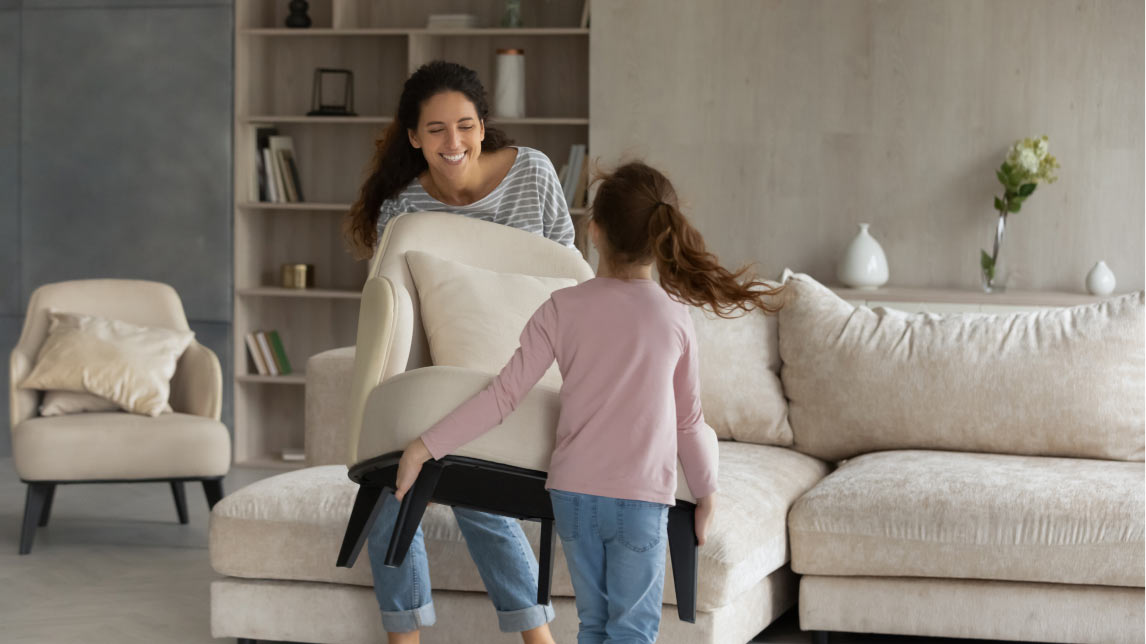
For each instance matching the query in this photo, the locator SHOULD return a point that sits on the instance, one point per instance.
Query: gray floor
(114, 565)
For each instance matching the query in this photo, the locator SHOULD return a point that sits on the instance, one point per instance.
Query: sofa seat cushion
(290, 527)
(120, 446)
(974, 516)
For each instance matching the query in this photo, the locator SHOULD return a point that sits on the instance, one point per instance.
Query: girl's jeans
(615, 549)
(497, 545)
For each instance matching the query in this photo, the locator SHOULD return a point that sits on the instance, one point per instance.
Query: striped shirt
(529, 197)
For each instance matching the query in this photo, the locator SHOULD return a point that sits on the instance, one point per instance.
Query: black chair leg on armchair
(819, 637)
(180, 495)
(410, 514)
(366, 506)
(46, 513)
(34, 503)
(545, 562)
(245, 640)
(213, 490)
(683, 554)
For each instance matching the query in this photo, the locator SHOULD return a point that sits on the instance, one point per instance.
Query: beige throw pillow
(740, 389)
(127, 364)
(62, 403)
(474, 317)
(1059, 382)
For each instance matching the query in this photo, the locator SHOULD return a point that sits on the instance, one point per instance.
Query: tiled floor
(114, 565)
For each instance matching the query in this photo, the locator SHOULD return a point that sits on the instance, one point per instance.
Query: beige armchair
(187, 445)
(503, 471)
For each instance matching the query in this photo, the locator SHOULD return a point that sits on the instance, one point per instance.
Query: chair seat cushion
(974, 516)
(290, 527)
(120, 446)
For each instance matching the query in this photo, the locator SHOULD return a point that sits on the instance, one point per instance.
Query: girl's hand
(705, 507)
(409, 466)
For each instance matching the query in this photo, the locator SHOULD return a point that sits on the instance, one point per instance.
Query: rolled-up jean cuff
(516, 621)
(404, 621)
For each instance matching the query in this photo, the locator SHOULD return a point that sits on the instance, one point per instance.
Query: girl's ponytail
(636, 208)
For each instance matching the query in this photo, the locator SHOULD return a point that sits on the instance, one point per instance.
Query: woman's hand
(705, 508)
(410, 465)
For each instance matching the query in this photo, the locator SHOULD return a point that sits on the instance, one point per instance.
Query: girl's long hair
(637, 210)
(396, 163)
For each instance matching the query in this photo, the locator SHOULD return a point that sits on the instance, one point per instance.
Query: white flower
(1041, 148)
(1029, 160)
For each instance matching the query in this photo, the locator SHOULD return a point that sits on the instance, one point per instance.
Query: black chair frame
(498, 489)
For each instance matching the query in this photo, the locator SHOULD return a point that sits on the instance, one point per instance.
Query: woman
(438, 155)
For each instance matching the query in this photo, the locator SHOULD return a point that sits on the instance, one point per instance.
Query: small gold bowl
(298, 275)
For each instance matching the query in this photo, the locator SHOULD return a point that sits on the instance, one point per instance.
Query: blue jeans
(615, 549)
(503, 556)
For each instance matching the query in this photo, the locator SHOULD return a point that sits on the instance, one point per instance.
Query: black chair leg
(545, 562)
(819, 637)
(366, 506)
(245, 640)
(410, 514)
(180, 495)
(683, 554)
(46, 513)
(33, 512)
(213, 489)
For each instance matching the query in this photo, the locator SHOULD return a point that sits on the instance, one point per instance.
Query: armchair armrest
(197, 386)
(328, 381)
(21, 402)
(399, 409)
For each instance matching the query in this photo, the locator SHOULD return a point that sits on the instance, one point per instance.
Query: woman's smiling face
(449, 134)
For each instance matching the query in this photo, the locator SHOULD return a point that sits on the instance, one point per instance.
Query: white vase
(863, 265)
(509, 95)
(1100, 280)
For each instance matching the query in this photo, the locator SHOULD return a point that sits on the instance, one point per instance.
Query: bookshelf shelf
(382, 43)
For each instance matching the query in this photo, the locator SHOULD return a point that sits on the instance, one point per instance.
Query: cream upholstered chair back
(390, 335)
(197, 385)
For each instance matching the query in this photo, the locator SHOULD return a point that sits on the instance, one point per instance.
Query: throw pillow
(62, 403)
(473, 317)
(127, 364)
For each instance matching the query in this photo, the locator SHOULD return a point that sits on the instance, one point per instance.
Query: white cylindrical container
(509, 95)
(863, 265)
(1100, 280)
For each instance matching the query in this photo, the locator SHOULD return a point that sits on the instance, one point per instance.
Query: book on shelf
(580, 192)
(286, 171)
(271, 177)
(293, 454)
(258, 190)
(585, 15)
(577, 154)
(256, 354)
(281, 359)
(267, 353)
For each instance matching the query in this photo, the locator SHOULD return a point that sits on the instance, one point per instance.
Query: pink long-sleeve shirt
(630, 397)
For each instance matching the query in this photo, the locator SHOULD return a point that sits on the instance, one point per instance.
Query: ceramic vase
(863, 265)
(1100, 280)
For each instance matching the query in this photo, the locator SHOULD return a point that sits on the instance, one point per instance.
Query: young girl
(630, 400)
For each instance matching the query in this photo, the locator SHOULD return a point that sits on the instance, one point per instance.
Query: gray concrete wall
(115, 154)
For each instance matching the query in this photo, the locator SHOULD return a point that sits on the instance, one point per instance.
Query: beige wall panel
(784, 124)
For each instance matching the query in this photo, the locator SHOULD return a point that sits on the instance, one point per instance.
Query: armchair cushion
(118, 446)
(473, 316)
(128, 364)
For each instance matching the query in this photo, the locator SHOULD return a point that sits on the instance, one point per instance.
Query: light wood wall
(785, 123)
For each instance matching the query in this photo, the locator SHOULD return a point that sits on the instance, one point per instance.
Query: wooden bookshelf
(382, 43)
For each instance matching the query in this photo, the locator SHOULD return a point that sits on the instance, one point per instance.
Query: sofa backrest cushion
(740, 388)
(1058, 382)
